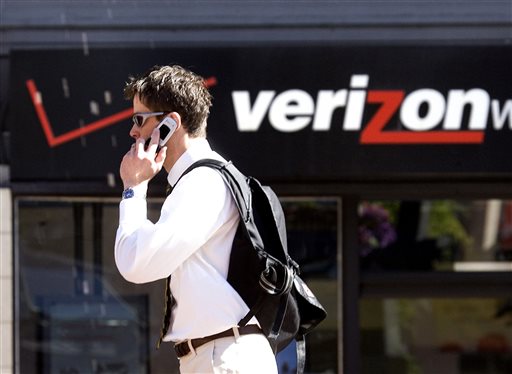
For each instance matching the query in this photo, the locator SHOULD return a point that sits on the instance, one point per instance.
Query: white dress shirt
(192, 241)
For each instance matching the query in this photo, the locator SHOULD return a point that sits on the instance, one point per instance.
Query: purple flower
(375, 228)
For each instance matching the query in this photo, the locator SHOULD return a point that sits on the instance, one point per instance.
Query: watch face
(127, 193)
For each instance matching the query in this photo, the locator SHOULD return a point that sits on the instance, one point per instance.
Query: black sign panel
(282, 114)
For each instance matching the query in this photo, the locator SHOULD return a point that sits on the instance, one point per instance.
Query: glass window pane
(312, 230)
(76, 313)
(436, 235)
(433, 336)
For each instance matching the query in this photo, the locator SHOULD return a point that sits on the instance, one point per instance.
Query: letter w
(248, 119)
(499, 118)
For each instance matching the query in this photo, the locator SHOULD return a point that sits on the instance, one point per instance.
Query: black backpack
(261, 270)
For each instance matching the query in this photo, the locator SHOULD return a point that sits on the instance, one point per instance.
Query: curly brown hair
(176, 89)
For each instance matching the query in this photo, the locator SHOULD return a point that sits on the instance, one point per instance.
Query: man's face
(146, 120)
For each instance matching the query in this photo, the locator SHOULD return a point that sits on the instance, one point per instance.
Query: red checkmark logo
(56, 140)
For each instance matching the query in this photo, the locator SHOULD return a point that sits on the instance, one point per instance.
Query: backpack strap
(301, 353)
(252, 312)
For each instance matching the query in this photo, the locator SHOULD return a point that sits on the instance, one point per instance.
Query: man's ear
(177, 118)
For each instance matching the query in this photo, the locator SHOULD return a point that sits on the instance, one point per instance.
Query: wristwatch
(128, 193)
(138, 191)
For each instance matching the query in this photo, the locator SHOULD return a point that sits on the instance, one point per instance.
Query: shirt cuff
(132, 212)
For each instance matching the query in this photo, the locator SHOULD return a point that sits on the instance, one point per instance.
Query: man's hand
(140, 165)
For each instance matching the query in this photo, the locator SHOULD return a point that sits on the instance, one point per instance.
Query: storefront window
(312, 229)
(436, 235)
(432, 336)
(76, 314)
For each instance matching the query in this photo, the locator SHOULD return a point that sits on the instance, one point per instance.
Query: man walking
(190, 245)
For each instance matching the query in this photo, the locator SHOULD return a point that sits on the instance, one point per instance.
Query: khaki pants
(246, 354)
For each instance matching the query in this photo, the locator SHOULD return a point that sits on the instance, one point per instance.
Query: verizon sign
(426, 115)
(286, 114)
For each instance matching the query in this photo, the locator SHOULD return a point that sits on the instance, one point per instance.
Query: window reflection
(312, 227)
(431, 336)
(435, 235)
(76, 314)
(312, 235)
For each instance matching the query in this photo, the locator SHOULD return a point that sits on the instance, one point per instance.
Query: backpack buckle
(276, 282)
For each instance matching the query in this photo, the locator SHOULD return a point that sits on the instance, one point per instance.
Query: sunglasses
(140, 118)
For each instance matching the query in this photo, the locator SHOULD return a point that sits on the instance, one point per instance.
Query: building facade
(383, 126)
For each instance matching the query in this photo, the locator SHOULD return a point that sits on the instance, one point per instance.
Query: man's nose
(134, 132)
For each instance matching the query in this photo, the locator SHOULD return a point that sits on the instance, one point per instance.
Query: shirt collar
(199, 149)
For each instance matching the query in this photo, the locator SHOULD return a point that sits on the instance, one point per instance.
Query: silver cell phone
(167, 128)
